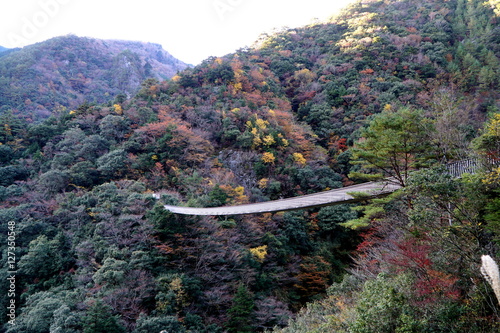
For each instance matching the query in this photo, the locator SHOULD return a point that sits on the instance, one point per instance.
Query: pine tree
(241, 313)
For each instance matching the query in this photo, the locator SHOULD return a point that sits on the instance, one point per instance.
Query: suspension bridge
(332, 197)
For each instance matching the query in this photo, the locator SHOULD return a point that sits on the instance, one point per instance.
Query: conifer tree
(100, 320)
(240, 314)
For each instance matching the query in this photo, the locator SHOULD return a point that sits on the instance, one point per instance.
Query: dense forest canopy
(386, 88)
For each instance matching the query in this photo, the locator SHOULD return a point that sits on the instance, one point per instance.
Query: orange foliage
(256, 75)
(313, 276)
(165, 249)
(255, 97)
(158, 129)
(367, 71)
(337, 145)
(196, 150)
(285, 53)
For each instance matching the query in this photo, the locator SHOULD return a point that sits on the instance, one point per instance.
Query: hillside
(68, 71)
(386, 88)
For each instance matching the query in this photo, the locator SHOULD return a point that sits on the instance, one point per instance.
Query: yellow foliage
(176, 78)
(237, 86)
(7, 128)
(257, 141)
(268, 157)
(269, 140)
(299, 159)
(263, 182)
(72, 112)
(261, 123)
(304, 76)
(237, 193)
(154, 157)
(387, 107)
(118, 109)
(180, 294)
(492, 177)
(240, 190)
(284, 142)
(493, 126)
(272, 113)
(235, 110)
(259, 252)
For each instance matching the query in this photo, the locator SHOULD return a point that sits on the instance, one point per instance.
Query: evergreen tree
(100, 320)
(241, 313)
(394, 143)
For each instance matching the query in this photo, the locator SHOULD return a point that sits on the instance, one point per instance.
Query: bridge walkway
(325, 198)
(336, 196)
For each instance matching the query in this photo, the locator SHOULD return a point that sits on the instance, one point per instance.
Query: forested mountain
(65, 72)
(386, 88)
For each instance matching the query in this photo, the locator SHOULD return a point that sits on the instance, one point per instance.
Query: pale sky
(191, 30)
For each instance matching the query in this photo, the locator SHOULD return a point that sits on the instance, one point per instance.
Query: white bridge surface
(325, 198)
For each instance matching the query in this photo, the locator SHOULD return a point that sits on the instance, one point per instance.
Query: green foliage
(9, 174)
(382, 307)
(44, 314)
(65, 321)
(374, 209)
(44, 258)
(217, 197)
(294, 229)
(394, 143)
(241, 312)
(99, 319)
(492, 216)
(112, 164)
(158, 324)
(329, 218)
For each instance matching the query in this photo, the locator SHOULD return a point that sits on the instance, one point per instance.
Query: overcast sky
(191, 30)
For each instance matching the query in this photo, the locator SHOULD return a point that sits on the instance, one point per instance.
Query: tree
(65, 321)
(43, 259)
(112, 163)
(40, 312)
(381, 307)
(53, 181)
(393, 143)
(100, 320)
(488, 144)
(240, 314)
(147, 324)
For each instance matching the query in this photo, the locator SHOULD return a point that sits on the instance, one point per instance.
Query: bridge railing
(471, 165)
(457, 169)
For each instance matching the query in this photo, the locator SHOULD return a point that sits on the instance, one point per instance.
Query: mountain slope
(66, 71)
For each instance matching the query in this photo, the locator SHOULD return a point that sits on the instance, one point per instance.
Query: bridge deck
(331, 197)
